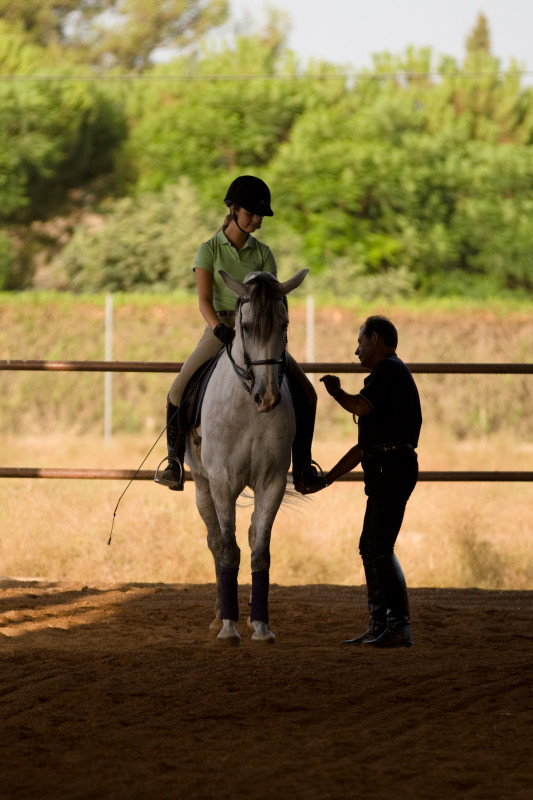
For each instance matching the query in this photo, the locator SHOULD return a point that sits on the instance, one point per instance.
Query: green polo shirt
(218, 253)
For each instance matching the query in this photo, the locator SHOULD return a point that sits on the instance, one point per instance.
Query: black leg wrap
(260, 585)
(229, 598)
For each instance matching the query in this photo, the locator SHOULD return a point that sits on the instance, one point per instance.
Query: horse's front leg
(228, 564)
(207, 511)
(259, 534)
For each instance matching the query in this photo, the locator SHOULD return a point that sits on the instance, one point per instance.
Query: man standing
(389, 421)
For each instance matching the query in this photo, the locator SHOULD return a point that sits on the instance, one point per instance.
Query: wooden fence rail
(324, 367)
(316, 367)
(148, 475)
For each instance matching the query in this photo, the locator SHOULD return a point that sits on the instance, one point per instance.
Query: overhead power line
(347, 76)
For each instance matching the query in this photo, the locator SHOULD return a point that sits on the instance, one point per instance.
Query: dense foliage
(112, 32)
(414, 177)
(146, 242)
(55, 134)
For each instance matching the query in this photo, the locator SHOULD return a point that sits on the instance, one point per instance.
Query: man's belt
(385, 448)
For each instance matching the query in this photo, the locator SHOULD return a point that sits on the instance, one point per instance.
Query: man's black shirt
(396, 415)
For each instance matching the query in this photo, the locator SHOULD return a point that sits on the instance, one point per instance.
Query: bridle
(246, 373)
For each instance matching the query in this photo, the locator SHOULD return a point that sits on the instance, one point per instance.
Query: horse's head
(261, 322)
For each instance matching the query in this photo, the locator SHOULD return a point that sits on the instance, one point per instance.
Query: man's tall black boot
(173, 475)
(305, 475)
(376, 606)
(398, 630)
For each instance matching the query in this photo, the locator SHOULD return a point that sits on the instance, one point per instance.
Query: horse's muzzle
(267, 401)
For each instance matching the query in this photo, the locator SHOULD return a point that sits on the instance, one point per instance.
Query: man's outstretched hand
(319, 484)
(332, 383)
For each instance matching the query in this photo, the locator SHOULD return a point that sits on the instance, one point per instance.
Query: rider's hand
(332, 383)
(224, 333)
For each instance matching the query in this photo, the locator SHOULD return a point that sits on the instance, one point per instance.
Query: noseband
(246, 373)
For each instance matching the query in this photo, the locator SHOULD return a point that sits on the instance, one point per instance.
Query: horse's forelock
(263, 301)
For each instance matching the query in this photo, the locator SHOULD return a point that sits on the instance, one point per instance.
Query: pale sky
(347, 32)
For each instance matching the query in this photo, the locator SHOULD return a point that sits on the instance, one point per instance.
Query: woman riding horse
(236, 251)
(243, 441)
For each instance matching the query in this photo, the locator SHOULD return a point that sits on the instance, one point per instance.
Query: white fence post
(108, 376)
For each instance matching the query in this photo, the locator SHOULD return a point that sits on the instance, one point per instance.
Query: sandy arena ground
(116, 692)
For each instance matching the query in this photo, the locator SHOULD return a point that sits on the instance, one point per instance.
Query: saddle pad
(190, 410)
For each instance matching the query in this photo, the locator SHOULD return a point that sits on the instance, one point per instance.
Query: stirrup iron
(157, 477)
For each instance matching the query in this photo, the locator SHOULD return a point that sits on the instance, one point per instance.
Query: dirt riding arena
(120, 692)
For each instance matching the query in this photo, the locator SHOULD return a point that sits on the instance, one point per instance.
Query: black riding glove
(224, 333)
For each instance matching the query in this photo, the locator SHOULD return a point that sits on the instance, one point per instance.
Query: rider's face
(247, 221)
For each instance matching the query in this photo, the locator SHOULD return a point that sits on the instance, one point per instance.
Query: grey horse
(244, 441)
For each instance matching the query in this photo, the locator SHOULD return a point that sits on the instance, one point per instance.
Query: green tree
(203, 127)
(108, 33)
(478, 40)
(54, 134)
(413, 184)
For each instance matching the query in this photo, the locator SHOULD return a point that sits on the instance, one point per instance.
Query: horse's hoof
(269, 638)
(262, 634)
(229, 635)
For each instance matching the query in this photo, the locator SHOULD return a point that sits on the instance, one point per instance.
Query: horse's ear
(240, 289)
(293, 282)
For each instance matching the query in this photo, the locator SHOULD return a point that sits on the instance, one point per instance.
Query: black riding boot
(305, 476)
(376, 606)
(172, 476)
(398, 629)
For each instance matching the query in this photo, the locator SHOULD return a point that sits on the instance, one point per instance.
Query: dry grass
(454, 534)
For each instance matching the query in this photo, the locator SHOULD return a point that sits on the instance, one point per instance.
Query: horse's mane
(263, 300)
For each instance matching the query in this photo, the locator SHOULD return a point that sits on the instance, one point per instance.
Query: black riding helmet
(250, 193)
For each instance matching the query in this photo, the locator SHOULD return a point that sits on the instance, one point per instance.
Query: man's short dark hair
(383, 327)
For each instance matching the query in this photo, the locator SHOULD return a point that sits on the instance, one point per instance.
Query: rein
(246, 373)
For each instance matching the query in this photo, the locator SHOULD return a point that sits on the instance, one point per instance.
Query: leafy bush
(144, 243)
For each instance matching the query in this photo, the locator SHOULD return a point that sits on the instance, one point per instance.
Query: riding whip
(135, 475)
